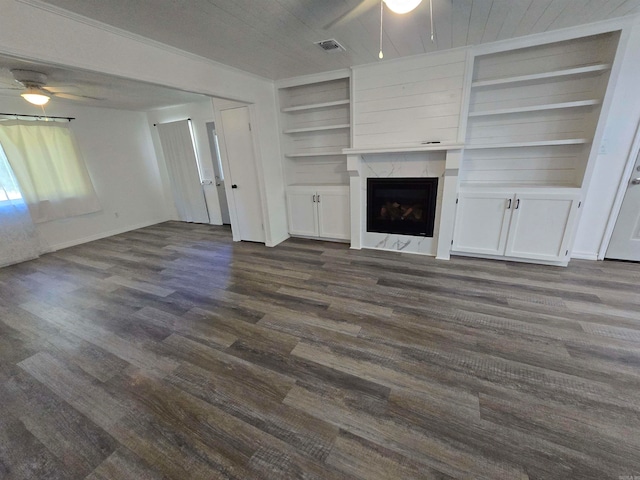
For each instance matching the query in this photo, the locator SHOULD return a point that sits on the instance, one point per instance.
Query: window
(8, 184)
(46, 162)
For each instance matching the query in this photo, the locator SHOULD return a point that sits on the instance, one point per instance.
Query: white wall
(200, 113)
(46, 34)
(116, 146)
(621, 125)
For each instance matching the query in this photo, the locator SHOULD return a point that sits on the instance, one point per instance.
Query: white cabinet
(302, 212)
(529, 225)
(319, 211)
(482, 223)
(542, 225)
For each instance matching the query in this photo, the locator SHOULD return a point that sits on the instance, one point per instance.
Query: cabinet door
(482, 222)
(542, 225)
(302, 212)
(333, 212)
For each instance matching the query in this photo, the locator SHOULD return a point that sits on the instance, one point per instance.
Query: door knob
(635, 181)
(234, 186)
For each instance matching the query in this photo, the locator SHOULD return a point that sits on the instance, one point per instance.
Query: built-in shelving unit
(531, 143)
(315, 122)
(533, 112)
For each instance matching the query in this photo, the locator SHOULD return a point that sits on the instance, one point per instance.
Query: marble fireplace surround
(442, 161)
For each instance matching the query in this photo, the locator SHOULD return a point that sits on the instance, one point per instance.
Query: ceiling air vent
(330, 45)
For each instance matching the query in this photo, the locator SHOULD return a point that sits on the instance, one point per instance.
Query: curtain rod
(156, 124)
(37, 117)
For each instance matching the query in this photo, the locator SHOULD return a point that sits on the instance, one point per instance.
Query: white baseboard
(274, 243)
(584, 256)
(98, 236)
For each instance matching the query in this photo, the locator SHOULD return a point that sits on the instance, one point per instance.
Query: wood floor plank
(172, 352)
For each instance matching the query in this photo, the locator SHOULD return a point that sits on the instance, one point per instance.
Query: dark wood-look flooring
(172, 353)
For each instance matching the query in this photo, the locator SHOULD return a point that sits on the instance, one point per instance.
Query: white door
(625, 242)
(218, 182)
(302, 212)
(243, 178)
(542, 225)
(482, 222)
(333, 212)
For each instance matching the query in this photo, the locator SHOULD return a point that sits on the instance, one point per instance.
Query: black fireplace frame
(423, 229)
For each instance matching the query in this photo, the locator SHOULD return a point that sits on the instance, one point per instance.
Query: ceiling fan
(397, 6)
(35, 90)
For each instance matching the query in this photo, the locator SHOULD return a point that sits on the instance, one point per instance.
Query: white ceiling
(274, 38)
(109, 91)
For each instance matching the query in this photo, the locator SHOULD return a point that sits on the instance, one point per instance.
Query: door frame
(218, 107)
(622, 190)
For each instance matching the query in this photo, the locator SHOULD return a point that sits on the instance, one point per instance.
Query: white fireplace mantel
(445, 209)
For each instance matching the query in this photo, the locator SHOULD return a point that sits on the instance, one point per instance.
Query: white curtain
(18, 237)
(53, 178)
(180, 157)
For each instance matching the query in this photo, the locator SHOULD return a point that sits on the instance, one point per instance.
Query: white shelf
(314, 154)
(601, 67)
(432, 147)
(315, 106)
(544, 143)
(535, 108)
(341, 126)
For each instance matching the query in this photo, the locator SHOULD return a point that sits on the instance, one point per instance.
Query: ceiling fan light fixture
(402, 6)
(35, 96)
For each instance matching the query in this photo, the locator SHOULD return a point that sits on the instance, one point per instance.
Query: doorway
(244, 197)
(214, 146)
(625, 241)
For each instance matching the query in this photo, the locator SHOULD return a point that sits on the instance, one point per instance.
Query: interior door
(625, 242)
(217, 171)
(334, 220)
(243, 176)
(482, 222)
(542, 225)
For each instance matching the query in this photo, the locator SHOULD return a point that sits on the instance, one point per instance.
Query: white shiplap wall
(408, 101)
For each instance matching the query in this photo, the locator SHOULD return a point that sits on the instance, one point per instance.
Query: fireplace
(404, 206)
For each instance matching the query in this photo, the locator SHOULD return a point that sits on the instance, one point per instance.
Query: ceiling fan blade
(355, 12)
(70, 96)
(62, 89)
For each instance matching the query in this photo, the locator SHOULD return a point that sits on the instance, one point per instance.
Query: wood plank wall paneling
(408, 102)
(324, 170)
(540, 165)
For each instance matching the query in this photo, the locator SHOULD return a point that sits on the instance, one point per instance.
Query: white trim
(509, 259)
(132, 36)
(101, 235)
(634, 151)
(466, 97)
(278, 241)
(584, 256)
(259, 166)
